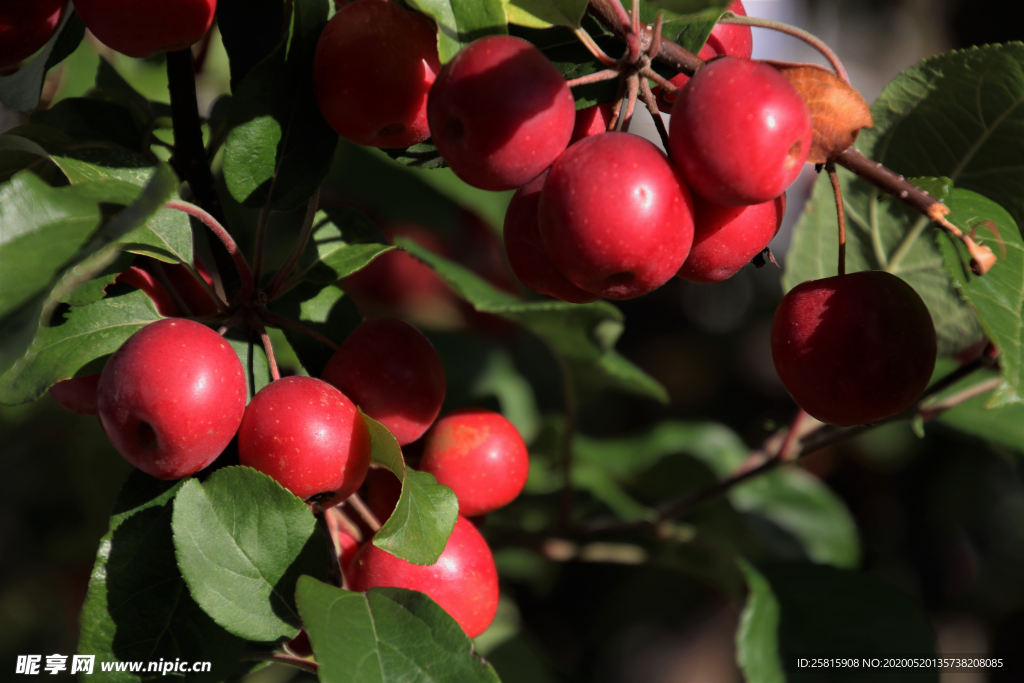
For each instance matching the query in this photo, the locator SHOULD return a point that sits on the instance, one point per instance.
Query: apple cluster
(602, 214)
(173, 397)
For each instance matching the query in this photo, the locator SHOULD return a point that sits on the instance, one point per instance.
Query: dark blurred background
(942, 517)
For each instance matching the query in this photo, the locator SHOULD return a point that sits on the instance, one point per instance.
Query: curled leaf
(838, 111)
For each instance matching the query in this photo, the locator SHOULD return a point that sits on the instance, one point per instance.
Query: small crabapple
(374, 65)
(500, 112)
(172, 397)
(526, 251)
(393, 373)
(725, 238)
(739, 132)
(308, 436)
(853, 349)
(615, 217)
(480, 456)
(463, 581)
(26, 26)
(141, 29)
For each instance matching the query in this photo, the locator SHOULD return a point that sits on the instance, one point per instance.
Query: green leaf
(881, 234)
(757, 639)
(460, 22)
(83, 334)
(386, 634)
(422, 155)
(18, 153)
(166, 235)
(43, 227)
(545, 13)
(957, 115)
(583, 335)
(1003, 425)
(997, 297)
(254, 360)
(322, 308)
(279, 147)
(21, 90)
(96, 288)
(343, 241)
(425, 515)
(138, 607)
(242, 541)
(88, 120)
(687, 6)
(832, 612)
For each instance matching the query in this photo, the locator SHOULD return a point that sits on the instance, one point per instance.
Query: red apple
(141, 29)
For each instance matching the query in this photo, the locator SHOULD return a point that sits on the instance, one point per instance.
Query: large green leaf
(959, 116)
(242, 541)
(43, 227)
(425, 515)
(1003, 425)
(322, 308)
(582, 335)
(279, 146)
(828, 612)
(386, 635)
(138, 608)
(877, 229)
(83, 334)
(460, 22)
(545, 13)
(343, 241)
(997, 297)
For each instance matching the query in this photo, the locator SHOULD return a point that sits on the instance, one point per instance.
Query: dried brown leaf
(838, 111)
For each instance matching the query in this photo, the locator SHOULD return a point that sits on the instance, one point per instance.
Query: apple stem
(594, 48)
(189, 158)
(287, 660)
(655, 46)
(626, 117)
(300, 246)
(597, 77)
(360, 507)
(652, 106)
(275, 320)
(837, 192)
(233, 320)
(275, 373)
(334, 574)
(241, 265)
(809, 38)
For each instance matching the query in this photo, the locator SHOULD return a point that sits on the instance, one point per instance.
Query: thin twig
(810, 39)
(632, 88)
(235, 318)
(365, 512)
(594, 48)
(275, 373)
(334, 574)
(287, 660)
(241, 265)
(837, 192)
(596, 77)
(960, 397)
(300, 246)
(276, 320)
(668, 85)
(652, 106)
(655, 46)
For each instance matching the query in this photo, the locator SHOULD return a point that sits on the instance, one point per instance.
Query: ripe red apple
(143, 279)
(853, 349)
(26, 26)
(308, 436)
(739, 132)
(500, 113)
(592, 121)
(393, 373)
(373, 68)
(615, 217)
(172, 397)
(77, 394)
(725, 238)
(480, 456)
(526, 251)
(463, 581)
(397, 282)
(141, 29)
(725, 39)
(184, 284)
